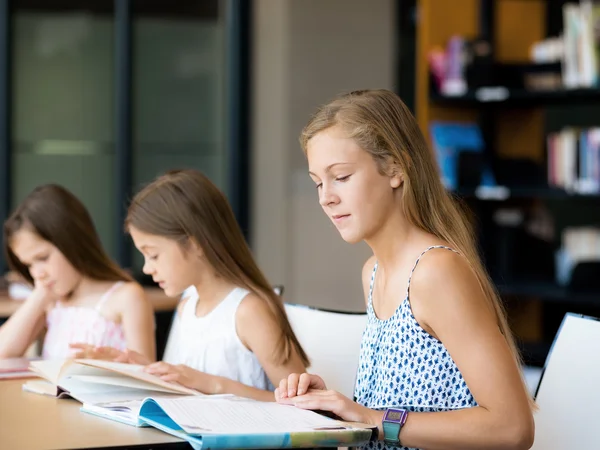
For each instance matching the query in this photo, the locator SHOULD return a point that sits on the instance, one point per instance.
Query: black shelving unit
(500, 193)
(514, 124)
(549, 292)
(518, 98)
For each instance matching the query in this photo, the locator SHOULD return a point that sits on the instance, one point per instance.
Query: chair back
(331, 339)
(568, 394)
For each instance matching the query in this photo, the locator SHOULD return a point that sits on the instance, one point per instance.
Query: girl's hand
(186, 376)
(93, 352)
(132, 357)
(41, 295)
(296, 384)
(308, 391)
(336, 403)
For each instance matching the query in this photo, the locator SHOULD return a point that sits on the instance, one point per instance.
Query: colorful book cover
(448, 140)
(227, 422)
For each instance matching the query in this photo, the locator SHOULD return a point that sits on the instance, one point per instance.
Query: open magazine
(96, 382)
(222, 422)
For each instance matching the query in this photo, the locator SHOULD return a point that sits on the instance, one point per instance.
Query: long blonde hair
(183, 205)
(381, 124)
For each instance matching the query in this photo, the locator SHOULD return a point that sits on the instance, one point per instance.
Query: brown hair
(183, 205)
(57, 216)
(382, 125)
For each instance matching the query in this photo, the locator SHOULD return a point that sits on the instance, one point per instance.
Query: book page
(135, 371)
(49, 369)
(126, 411)
(201, 415)
(100, 394)
(121, 380)
(127, 416)
(41, 387)
(55, 370)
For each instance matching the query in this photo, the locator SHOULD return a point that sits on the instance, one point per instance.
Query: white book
(95, 381)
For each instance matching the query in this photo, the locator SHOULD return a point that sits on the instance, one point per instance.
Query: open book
(222, 422)
(95, 381)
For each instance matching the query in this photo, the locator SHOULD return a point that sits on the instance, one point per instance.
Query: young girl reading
(80, 296)
(233, 335)
(438, 365)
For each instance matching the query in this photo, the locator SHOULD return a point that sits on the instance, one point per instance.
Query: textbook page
(100, 394)
(128, 416)
(54, 370)
(134, 371)
(235, 415)
(60, 372)
(124, 410)
(123, 381)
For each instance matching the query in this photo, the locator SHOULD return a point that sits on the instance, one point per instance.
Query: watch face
(393, 415)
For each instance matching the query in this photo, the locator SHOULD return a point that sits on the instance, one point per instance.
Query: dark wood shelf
(519, 98)
(501, 193)
(549, 292)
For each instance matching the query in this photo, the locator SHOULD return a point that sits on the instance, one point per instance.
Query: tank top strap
(191, 301)
(107, 294)
(419, 259)
(234, 298)
(372, 284)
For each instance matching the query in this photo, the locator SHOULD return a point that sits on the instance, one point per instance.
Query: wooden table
(156, 296)
(36, 422)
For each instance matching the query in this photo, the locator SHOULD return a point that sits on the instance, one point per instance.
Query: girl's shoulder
(124, 297)
(252, 307)
(128, 290)
(441, 264)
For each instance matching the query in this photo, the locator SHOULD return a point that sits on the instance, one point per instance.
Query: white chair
(331, 340)
(569, 391)
(532, 376)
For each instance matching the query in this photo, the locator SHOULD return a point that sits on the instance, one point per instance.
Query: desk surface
(156, 296)
(36, 422)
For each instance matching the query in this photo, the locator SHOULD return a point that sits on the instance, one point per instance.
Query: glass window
(178, 97)
(62, 105)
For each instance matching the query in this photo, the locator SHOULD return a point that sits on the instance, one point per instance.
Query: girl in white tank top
(211, 344)
(233, 336)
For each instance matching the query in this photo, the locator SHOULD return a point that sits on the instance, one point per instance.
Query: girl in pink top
(81, 298)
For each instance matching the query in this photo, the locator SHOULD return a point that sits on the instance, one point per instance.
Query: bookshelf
(520, 98)
(515, 124)
(549, 292)
(501, 193)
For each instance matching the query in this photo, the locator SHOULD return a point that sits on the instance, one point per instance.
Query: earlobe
(396, 181)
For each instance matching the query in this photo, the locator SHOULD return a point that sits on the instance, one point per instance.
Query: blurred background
(102, 96)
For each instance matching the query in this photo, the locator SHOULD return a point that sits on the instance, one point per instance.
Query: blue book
(228, 422)
(448, 140)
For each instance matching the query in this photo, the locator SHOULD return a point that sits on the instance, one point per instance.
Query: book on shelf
(227, 421)
(459, 148)
(96, 381)
(581, 43)
(574, 160)
(579, 245)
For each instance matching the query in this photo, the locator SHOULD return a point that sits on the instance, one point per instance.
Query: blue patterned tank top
(402, 365)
